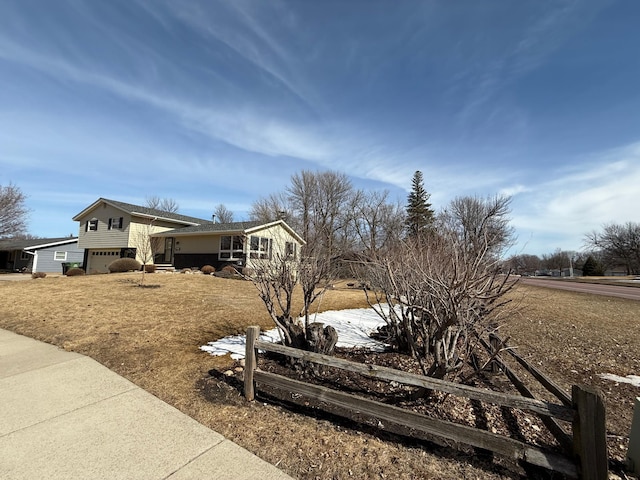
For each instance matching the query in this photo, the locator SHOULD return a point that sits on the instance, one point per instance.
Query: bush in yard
(150, 268)
(444, 287)
(124, 265)
(208, 269)
(74, 272)
(229, 269)
(38, 275)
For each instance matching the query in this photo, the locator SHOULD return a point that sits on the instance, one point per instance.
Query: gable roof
(244, 228)
(141, 212)
(34, 243)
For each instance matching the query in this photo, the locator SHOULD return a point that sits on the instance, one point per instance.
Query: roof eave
(52, 244)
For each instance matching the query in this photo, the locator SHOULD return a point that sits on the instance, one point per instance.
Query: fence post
(633, 454)
(495, 348)
(250, 362)
(589, 433)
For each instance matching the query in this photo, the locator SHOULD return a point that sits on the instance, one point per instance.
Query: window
(24, 255)
(260, 247)
(60, 256)
(230, 247)
(115, 223)
(127, 253)
(290, 250)
(92, 225)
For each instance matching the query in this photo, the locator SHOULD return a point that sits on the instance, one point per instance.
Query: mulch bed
(519, 425)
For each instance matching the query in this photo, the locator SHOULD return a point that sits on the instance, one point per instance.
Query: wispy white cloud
(540, 36)
(581, 198)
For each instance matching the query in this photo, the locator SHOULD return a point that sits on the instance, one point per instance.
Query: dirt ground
(152, 335)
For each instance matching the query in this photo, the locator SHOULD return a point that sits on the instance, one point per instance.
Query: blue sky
(210, 102)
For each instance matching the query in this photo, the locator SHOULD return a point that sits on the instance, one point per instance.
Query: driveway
(14, 277)
(621, 291)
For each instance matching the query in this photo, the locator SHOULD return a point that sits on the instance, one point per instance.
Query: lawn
(152, 337)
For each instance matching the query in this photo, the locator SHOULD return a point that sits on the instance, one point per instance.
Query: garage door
(99, 260)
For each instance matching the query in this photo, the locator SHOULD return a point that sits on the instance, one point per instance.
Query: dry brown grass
(152, 336)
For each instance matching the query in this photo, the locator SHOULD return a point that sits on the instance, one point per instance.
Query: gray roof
(138, 209)
(211, 227)
(21, 243)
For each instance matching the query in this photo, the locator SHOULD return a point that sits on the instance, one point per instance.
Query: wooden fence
(585, 451)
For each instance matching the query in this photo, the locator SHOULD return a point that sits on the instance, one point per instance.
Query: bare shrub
(150, 268)
(35, 275)
(276, 280)
(124, 265)
(444, 289)
(74, 272)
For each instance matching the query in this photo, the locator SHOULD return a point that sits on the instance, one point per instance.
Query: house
(48, 255)
(239, 244)
(110, 230)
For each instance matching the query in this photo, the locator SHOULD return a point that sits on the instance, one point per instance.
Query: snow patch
(632, 379)
(353, 326)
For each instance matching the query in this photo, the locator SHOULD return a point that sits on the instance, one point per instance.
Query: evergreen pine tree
(420, 216)
(592, 267)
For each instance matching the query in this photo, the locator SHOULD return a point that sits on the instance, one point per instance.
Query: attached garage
(99, 260)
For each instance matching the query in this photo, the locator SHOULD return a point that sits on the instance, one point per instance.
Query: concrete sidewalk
(65, 416)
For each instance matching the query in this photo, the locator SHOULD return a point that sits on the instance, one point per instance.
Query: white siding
(139, 231)
(279, 237)
(99, 259)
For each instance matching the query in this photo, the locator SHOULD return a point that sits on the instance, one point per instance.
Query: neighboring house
(40, 254)
(239, 244)
(110, 230)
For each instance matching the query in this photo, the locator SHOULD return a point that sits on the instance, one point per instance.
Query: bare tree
(524, 264)
(557, 260)
(222, 214)
(619, 243)
(314, 204)
(272, 208)
(276, 279)
(377, 223)
(481, 222)
(163, 204)
(443, 289)
(13, 212)
(146, 245)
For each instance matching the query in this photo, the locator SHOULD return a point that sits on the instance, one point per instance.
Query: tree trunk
(321, 339)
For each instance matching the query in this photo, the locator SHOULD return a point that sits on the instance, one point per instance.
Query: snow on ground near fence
(632, 379)
(353, 326)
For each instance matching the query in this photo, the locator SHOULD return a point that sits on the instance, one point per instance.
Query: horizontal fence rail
(440, 428)
(586, 448)
(384, 373)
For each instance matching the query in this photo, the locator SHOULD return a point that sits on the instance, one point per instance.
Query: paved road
(621, 291)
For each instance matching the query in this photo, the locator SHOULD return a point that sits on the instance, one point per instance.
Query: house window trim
(91, 225)
(234, 253)
(55, 254)
(263, 252)
(291, 250)
(24, 255)
(115, 223)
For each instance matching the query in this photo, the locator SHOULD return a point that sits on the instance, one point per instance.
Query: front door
(168, 250)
